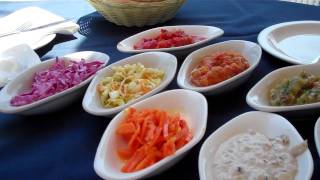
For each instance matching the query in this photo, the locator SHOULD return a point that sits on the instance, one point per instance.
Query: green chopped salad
(301, 89)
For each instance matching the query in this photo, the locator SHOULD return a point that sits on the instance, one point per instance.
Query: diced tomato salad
(217, 68)
(167, 39)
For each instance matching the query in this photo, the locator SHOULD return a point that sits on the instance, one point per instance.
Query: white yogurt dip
(254, 156)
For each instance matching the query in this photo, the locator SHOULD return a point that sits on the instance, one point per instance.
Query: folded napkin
(304, 48)
(15, 60)
(37, 17)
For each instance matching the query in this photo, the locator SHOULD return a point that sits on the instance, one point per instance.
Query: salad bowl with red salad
(52, 84)
(169, 38)
(219, 67)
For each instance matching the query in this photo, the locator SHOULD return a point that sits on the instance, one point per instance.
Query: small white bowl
(258, 95)
(251, 51)
(51, 103)
(165, 61)
(208, 32)
(269, 124)
(107, 165)
(317, 135)
(15, 60)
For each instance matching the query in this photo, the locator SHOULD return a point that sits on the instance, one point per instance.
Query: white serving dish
(37, 17)
(317, 135)
(251, 51)
(269, 124)
(295, 42)
(165, 61)
(107, 165)
(51, 103)
(258, 95)
(208, 32)
(15, 60)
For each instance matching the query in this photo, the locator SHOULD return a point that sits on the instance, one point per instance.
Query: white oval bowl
(23, 56)
(208, 32)
(271, 125)
(251, 51)
(23, 81)
(107, 165)
(165, 61)
(257, 97)
(317, 135)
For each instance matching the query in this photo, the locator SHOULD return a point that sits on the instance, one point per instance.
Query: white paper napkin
(303, 47)
(37, 17)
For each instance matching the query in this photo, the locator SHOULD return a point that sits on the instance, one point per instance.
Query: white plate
(269, 124)
(298, 41)
(15, 60)
(165, 61)
(258, 96)
(317, 135)
(208, 32)
(51, 103)
(251, 51)
(106, 163)
(38, 38)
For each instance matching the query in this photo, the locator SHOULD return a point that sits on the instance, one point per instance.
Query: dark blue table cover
(62, 145)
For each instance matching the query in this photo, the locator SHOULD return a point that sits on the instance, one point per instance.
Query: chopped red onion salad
(60, 76)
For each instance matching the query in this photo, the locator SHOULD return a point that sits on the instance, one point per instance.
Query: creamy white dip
(254, 156)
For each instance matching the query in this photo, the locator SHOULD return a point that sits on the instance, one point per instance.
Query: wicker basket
(136, 13)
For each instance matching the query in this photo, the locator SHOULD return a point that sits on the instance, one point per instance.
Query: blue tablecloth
(62, 145)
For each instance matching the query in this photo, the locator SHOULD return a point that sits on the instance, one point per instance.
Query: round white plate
(295, 42)
(43, 41)
(32, 39)
(317, 135)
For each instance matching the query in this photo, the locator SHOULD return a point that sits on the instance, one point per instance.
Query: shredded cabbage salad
(60, 76)
(127, 83)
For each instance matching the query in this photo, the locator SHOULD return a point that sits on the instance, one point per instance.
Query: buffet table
(62, 145)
